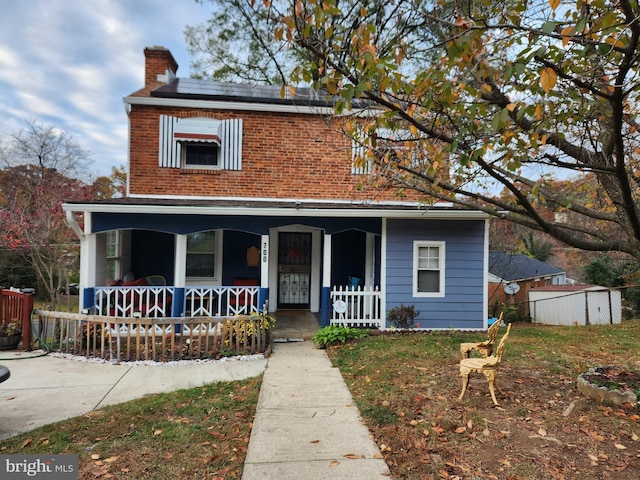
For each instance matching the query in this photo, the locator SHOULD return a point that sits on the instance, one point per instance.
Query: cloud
(69, 63)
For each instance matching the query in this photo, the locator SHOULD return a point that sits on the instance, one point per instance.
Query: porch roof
(274, 207)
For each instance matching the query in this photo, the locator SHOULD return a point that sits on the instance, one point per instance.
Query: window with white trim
(182, 138)
(200, 155)
(113, 250)
(386, 140)
(428, 269)
(201, 254)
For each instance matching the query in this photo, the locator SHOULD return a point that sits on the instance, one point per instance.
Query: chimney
(160, 66)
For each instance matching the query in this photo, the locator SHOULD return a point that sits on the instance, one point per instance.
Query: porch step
(286, 340)
(294, 326)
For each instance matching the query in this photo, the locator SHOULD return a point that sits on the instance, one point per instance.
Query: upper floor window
(200, 142)
(383, 142)
(428, 269)
(200, 155)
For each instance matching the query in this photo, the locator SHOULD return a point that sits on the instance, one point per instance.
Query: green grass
(195, 433)
(406, 387)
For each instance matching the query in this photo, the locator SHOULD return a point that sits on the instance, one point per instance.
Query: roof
(199, 89)
(273, 207)
(511, 267)
(569, 288)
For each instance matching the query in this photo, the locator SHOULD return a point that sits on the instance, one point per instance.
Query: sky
(69, 64)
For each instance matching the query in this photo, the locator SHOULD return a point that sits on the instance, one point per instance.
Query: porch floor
(294, 324)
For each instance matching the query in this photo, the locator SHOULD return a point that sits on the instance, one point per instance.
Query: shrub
(337, 334)
(511, 314)
(12, 328)
(402, 316)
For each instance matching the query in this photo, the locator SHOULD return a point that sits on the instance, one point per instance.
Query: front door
(294, 269)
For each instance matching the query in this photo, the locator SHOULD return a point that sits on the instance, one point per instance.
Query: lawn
(407, 387)
(194, 433)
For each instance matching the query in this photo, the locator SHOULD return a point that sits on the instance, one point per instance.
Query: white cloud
(69, 63)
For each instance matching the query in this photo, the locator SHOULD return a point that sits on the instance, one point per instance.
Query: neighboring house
(511, 276)
(238, 198)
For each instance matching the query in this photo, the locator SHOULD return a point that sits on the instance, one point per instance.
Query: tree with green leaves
(484, 104)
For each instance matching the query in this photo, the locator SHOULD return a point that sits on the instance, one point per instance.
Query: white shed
(575, 305)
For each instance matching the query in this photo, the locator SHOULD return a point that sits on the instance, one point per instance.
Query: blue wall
(152, 253)
(235, 249)
(462, 307)
(348, 256)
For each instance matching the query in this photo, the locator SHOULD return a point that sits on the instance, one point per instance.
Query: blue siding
(462, 307)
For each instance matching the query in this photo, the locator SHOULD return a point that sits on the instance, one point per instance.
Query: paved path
(306, 425)
(48, 389)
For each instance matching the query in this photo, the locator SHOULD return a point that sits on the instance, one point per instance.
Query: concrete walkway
(306, 425)
(48, 389)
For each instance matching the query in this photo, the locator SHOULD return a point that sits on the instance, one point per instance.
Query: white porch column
(87, 259)
(326, 262)
(370, 260)
(180, 262)
(325, 302)
(383, 271)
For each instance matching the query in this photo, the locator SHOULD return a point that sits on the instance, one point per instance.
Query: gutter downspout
(74, 225)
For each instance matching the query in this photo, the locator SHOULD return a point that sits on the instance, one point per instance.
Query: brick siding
(285, 155)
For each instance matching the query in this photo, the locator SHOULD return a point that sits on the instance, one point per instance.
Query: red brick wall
(157, 61)
(519, 300)
(283, 156)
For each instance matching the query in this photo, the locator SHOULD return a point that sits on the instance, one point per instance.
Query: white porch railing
(125, 301)
(145, 301)
(360, 307)
(221, 301)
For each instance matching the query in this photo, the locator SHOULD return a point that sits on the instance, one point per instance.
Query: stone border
(603, 394)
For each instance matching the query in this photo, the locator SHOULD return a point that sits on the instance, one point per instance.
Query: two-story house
(239, 198)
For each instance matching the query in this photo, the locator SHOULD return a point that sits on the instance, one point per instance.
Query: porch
(348, 305)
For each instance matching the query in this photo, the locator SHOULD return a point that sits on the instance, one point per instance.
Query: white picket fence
(359, 307)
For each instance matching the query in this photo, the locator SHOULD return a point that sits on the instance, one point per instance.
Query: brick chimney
(158, 61)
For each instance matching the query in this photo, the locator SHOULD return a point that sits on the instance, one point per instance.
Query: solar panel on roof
(209, 89)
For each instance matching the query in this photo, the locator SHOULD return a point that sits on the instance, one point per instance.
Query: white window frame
(385, 135)
(184, 147)
(417, 245)
(175, 131)
(217, 262)
(114, 238)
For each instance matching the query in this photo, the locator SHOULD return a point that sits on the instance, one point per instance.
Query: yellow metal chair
(485, 348)
(487, 366)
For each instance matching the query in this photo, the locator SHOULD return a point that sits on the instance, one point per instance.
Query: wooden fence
(17, 306)
(156, 339)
